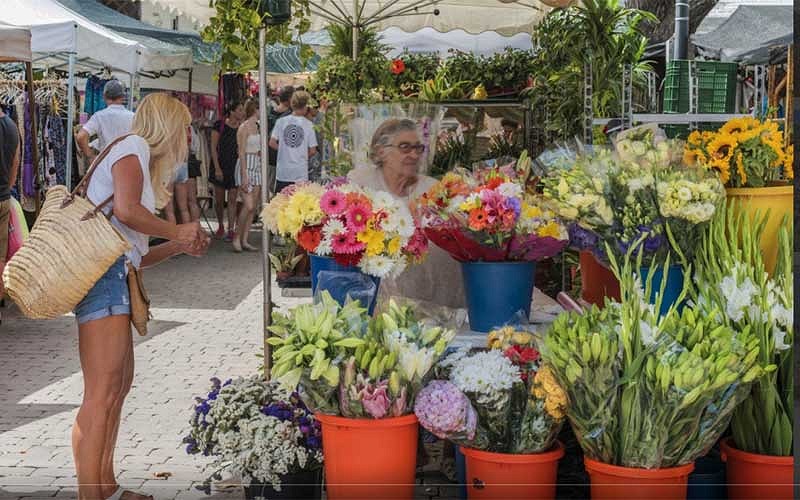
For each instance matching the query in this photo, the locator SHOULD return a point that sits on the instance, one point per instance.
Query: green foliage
(600, 31)
(454, 151)
(509, 69)
(463, 67)
(235, 27)
(419, 68)
(342, 40)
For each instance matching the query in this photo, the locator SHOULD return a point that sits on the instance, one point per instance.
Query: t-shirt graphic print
(295, 136)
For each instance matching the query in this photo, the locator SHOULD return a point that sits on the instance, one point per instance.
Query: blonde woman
(136, 171)
(248, 175)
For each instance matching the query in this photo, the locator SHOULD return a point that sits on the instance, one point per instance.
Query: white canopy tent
(506, 17)
(61, 37)
(15, 43)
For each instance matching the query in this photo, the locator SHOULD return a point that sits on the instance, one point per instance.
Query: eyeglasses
(407, 147)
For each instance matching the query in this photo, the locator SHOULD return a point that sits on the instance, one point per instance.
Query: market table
(543, 312)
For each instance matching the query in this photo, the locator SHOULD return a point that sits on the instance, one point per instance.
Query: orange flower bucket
(509, 476)
(757, 476)
(623, 483)
(779, 200)
(368, 458)
(597, 281)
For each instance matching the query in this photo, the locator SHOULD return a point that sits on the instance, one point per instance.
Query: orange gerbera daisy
(478, 219)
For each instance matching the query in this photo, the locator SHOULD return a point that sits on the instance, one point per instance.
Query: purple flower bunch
(445, 411)
(295, 411)
(201, 409)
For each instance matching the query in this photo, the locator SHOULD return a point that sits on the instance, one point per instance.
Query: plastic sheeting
(748, 35)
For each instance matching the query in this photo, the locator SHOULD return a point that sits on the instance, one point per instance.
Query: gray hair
(385, 133)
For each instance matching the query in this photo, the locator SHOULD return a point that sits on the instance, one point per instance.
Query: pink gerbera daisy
(357, 217)
(333, 202)
(346, 243)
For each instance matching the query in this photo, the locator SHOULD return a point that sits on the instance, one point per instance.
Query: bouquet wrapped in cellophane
(488, 215)
(501, 400)
(647, 391)
(353, 225)
(731, 278)
(344, 363)
(640, 190)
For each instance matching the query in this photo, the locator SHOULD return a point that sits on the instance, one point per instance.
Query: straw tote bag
(72, 244)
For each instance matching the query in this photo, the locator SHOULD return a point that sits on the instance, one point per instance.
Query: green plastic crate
(675, 131)
(716, 87)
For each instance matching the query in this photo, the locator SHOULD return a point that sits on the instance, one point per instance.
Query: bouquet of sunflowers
(354, 225)
(745, 152)
(501, 400)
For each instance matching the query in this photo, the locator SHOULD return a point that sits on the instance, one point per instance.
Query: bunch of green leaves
(310, 342)
(463, 67)
(731, 277)
(284, 259)
(236, 24)
(451, 152)
(340, 78)
(602, 32)
(419, 67)
(509, 69)
(500, 146)
(442, 88)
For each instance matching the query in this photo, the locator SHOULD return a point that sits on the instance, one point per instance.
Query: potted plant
(733, 278)
(361, 378)
(498, 231)
(648, 394)
(261, 432)
(346, 228)
(284, 262)
(504, 409)
(640, 190)
(755, 164)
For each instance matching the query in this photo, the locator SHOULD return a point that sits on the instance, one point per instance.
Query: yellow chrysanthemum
(546, 387)
(373, 240)
(394, 246)
(551, 229)
(530, 211)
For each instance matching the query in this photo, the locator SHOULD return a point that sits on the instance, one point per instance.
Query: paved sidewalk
(207, 323)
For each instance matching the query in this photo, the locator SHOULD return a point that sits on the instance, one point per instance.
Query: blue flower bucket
(497, 292)
(707, 481)
(339, 293)
(672, 290)
(461, 473)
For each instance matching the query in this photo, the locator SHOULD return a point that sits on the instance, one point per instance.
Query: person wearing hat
(107, 124)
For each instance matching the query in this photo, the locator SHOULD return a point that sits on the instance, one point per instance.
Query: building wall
(162, 17)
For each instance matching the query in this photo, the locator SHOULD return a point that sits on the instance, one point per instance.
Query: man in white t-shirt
(296, 141)
(107, 124)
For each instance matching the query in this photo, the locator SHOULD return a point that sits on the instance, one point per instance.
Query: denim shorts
(108, 297)
(182, 174)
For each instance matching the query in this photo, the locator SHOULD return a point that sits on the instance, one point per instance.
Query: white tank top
(253, 145)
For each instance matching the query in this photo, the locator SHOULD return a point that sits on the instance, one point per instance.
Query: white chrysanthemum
(400, 222)
(325, 247)
(382, 200)
(485, 372)
(510, 190)
(332, 228)
(379, 266)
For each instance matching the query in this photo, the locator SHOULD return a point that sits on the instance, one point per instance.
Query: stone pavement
(207, 322)
(208, 319)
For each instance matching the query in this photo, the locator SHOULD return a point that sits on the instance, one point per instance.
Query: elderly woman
(396, 151)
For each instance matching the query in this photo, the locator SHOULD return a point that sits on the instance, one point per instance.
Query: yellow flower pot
(780, 201)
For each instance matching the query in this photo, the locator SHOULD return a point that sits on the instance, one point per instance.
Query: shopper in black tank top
(224, 153)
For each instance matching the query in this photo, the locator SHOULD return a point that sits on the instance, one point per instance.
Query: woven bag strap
(83, 185)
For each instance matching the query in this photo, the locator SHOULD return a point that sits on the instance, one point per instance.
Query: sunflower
(738, 125)
(788, 163)
(695, 138)
(694, 157)
(724, 169)
(722, 147)
(740, 168)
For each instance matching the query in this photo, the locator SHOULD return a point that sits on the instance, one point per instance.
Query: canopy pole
(356, 21)
(130, 92)
(265, 195)
(34, 133)
(70, 117)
